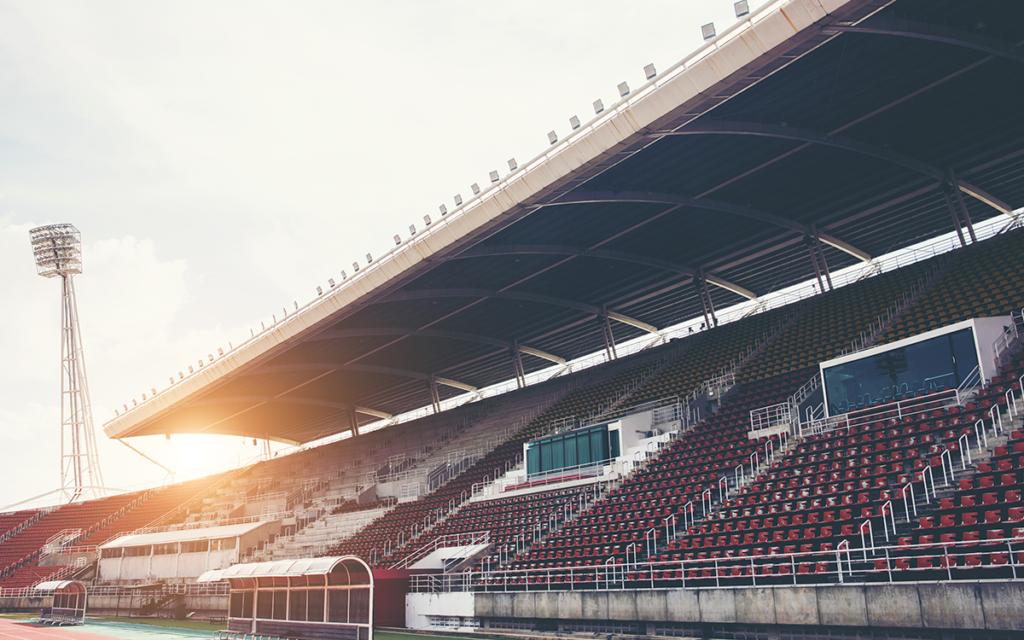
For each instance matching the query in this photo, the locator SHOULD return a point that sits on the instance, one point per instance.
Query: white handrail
(870, 538)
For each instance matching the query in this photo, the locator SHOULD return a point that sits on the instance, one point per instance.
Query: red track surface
(25, 631)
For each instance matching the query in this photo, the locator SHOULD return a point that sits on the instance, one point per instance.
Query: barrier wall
(993, 606)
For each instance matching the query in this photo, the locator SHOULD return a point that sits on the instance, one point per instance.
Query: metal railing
(899, 409)
(831, 563)
(466, 539)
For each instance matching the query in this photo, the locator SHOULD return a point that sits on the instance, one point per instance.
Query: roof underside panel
(850, 134)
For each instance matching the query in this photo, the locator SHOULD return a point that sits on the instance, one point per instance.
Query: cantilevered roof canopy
(820, 132)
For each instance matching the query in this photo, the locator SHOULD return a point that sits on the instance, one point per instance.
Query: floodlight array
(57, 249)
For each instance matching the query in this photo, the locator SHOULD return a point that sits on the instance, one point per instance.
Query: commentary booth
(312, 598)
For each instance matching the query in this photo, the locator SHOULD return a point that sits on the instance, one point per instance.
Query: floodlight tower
(58, 252)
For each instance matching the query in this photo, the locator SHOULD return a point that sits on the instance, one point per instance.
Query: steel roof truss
(933, 32)
(723, 127)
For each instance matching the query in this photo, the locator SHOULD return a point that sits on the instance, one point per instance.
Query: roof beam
(285, 400)
(427, 294)
(362, 368)
(332, 334)
(496, 250)
(723, 127)
(932, 32)
(579, 197)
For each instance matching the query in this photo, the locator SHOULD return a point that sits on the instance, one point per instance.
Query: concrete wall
(204, 606)
(31, 604)
(994, 606)
(419, 607)
(165, 567)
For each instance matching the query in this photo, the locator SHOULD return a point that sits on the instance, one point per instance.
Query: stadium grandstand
(793, 261)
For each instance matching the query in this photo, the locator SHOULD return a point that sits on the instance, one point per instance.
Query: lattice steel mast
(58, 253)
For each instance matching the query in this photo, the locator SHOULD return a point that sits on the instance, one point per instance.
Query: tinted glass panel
(315, 605)
(265, 605)
(281, 605)
(297, 605)
(337, 609)
(925, 367)
(360, 606)
(557, 453)
(236, 605)
(247, 598)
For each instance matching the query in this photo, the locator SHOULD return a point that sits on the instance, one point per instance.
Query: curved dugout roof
(354, 569)
(838, 129)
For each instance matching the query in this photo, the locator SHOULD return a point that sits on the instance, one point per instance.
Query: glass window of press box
(572, 449)
(938, 363)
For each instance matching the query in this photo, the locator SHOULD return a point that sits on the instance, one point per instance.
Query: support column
(707, 293)
(963, 205)
(352, 422)
(821, 254)
(814, 262)
(699, 289)
(606, 332)
(435, 398)
(947, 193)
(517, 364)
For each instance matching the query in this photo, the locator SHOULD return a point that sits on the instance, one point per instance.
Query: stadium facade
(845, 465)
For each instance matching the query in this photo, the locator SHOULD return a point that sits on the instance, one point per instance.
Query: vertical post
(517, 364)
(963, 205)
(814, 262)
(703, 304)
(606, 332)
(707, 294)
(821, 254)
(435, 398)
(947, 190)
(353, 423)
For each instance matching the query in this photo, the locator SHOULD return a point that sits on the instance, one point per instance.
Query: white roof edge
(185, 535)
(737, 47)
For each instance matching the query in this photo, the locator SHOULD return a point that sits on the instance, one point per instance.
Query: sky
(223, 159)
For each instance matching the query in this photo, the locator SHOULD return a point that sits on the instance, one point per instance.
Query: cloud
(223, 159)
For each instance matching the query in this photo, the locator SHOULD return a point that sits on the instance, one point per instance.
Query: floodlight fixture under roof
(494, 176)
(598, 106)
(574, 122)
(355, 266)
(369, 258)
(330, 281)
(458, 199)
(552, 137)
(443, 209)
(512, 166)
(427, 220)
(412, 229)
(623, 89)
(742, 8)
(398, 239)
(649, 71)
(476, 189)
(708, 31)
(343, 275)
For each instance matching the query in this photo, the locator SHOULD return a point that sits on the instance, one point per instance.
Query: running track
(16, 630)
(97, 630)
